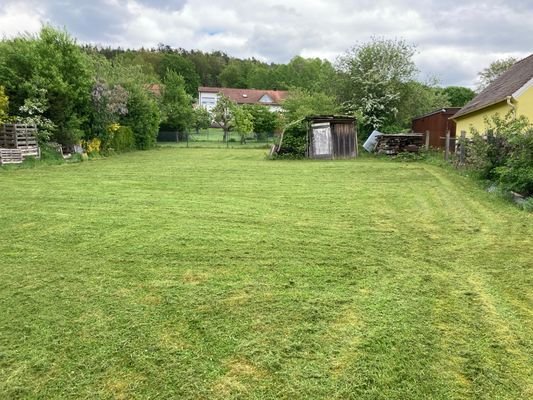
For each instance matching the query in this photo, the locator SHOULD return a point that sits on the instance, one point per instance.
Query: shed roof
(248, 96)
(447, 110)
(326, 118)
(505, 85)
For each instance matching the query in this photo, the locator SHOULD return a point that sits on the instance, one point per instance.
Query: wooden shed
(331, 137)
(436, 123)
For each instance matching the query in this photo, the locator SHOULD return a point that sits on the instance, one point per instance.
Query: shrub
(265, 122)
(294, 142)
(123, 139)
(505, 155)
(143, 117)
(92, 146)
(516, 173)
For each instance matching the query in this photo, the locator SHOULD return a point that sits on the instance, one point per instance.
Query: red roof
(155, 88)
(248, 96)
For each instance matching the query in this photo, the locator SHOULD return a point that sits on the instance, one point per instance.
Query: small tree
(223, 114)
(243, 122)
(176, 103)
(33, 111)
(201, 119)
(265, 121)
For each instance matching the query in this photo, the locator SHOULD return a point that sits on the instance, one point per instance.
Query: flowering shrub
(91, 146)
(109, 104)
(32, 113)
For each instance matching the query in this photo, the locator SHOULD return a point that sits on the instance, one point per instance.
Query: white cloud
(17, 19)
(454, 40)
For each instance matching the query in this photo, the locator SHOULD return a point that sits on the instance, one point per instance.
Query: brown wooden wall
(437, 124)
(343, 137)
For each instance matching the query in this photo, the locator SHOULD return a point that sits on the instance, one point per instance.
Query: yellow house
(511, 91)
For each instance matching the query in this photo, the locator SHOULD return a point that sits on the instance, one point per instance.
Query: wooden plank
(447, 146)
(10, 156)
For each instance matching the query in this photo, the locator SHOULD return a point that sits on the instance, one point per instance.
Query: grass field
(216, 274)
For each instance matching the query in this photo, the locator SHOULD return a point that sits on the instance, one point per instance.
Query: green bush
(123, 139)
(143, 117)
(505, 155)
(516, 173)
(294, 142)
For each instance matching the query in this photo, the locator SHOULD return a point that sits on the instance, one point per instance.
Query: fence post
(427, 140)
(462, 148)
(447, 148)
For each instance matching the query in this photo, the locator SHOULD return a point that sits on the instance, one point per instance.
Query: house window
(265, 99)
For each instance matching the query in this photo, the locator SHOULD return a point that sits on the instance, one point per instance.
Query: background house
(207, 97)
(436, 123)
(512, 91)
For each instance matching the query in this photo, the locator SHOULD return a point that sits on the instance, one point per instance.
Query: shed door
(322, 146)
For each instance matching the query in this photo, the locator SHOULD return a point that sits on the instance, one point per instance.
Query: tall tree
(182, 66)
(312, 74)
(208, 65)
(301, 103)
(371, 79)
(242, 122)
(51, 63)
(458, 95)
(416, 99)
(201, 119)
(235, 74)
(493, 71)
(176, 103)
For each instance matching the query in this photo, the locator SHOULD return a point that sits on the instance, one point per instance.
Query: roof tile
(247, 96)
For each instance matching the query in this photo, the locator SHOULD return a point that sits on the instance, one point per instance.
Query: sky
(454, 39)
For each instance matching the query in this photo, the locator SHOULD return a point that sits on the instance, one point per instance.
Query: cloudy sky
(454, 39)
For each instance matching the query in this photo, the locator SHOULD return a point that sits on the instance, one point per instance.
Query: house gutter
(455, 117)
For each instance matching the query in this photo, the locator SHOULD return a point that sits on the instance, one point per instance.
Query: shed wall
(437, 125)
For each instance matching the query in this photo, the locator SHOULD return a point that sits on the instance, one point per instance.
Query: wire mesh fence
(214, 138)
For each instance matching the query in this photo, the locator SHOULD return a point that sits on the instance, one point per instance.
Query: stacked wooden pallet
(20, 137)
(10, 156)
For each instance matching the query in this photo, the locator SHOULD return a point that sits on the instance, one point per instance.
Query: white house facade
(208, 97)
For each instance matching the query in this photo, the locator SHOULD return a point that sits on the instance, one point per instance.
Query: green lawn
(216, 274)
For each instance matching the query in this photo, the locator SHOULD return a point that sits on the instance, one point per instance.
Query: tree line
(84, 93)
